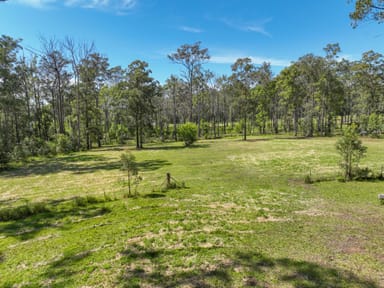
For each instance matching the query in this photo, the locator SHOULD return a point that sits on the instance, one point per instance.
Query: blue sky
(276, 31)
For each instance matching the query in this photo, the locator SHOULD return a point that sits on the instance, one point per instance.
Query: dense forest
(65, 97)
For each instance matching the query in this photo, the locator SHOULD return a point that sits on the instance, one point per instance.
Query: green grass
(246, 218)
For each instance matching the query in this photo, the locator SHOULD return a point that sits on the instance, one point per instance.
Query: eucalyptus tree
(292, 94)
(54, 67)
(191, 57)
(173, 88)
(77, 52)
(9, 102)
(266, 98)
(142, 89)
(350, 104)
(368, 76)
(367, 10)
(93, 72)
(243, 78)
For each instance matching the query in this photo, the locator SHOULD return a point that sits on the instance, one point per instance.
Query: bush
(19, 154)
(188, 133)
(63, 144)
(351, 151)
(375, 125)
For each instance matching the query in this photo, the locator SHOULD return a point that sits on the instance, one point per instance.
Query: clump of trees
(66, 97)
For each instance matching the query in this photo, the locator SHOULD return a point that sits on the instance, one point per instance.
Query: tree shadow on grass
(154, 195)
(62, 271)
(146, 269)
(151, 165)
(299, 273)
(150, 268)
(74, 164)
(77, 164)
(165, 147)
(29, 227)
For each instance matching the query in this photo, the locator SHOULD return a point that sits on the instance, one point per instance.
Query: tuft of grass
(23, 211)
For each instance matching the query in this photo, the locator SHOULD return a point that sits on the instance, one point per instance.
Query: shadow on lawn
(29, 227)
(147, 268)
(164, 147)
(61, 271)
(78, 164)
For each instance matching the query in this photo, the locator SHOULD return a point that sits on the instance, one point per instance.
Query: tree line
(66, 97)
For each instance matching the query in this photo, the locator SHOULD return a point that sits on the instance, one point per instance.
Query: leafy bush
(19, 154)
(5, 157)
(63, 144)
(83, 201)
(375, 125)
(351, 151)
(188, 133)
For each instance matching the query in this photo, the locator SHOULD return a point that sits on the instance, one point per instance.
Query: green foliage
(375, 125)
(205, 127)
(83, 201)
(129, 164)
(187, 133)
(119, 133)
(367, 10)
(63, 144)
(23, 211)
(351, 151)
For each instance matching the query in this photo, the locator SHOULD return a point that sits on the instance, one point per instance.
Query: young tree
(351, 151)
(128, 163)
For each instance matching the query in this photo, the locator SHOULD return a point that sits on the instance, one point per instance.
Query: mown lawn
(245, 218)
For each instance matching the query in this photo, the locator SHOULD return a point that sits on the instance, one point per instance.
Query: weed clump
(83, 201)
(23, 211)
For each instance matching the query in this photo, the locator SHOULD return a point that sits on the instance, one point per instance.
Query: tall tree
(191, 57)
(93, 73)
(173, 88)
(54, 64)
(77, 52)
(9, 102)
(243, 78)
(142, 89)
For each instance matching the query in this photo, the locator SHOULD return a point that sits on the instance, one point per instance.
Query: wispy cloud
(36, 3)
(115, 5)
(230, 59)
(250, 26)
(190, 29)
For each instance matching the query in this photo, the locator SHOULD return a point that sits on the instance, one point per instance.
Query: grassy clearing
(245, 218)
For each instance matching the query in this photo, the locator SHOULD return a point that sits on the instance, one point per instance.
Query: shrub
(188, 133)
(19, 154)
(63, 144)
(351, 151)
(22, 212)
(375, 125)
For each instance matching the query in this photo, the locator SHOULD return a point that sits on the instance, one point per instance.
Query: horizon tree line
(66, 97)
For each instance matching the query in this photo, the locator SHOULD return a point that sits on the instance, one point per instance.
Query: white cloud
(230, 59)
(114, 5)
(36, 3)
(250, 26)
(190, 29)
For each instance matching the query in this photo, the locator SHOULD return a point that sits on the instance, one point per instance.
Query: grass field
(245, 218)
